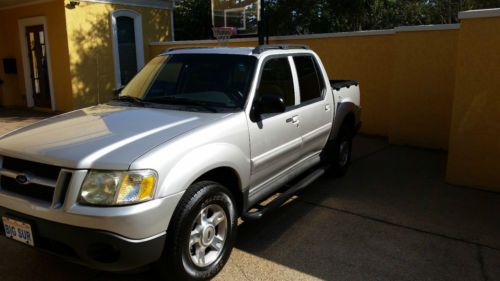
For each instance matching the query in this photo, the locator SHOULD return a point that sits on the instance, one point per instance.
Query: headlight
(108, 188)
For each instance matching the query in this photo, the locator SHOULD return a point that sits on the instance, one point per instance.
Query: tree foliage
(285, 17)
(193, 20)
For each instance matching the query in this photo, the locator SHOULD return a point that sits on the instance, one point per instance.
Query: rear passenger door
(316, 114)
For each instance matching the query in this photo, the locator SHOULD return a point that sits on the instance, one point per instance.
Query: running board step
(283, 197)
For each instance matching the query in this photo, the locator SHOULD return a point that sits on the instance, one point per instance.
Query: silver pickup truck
(160, 175)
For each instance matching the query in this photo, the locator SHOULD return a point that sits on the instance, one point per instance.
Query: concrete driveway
(12, 119)
(391, 218)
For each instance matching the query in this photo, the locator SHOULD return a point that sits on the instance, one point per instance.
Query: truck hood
(100, 137)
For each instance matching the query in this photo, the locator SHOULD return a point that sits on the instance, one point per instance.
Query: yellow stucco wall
(14, 92)
(91, 51)
(474, 155)
(422, 87)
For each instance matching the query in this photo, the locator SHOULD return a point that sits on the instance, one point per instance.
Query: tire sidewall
(343, 138)
(345, 135)
(206, 193)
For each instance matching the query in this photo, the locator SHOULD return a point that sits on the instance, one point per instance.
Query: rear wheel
(201, 234)
(340, 152)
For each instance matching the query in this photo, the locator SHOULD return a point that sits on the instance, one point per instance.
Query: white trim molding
(427, 27)
(476, 14)
(334, 35)
(325, 35)
(23, 23)
(157, 4)
(139, 41)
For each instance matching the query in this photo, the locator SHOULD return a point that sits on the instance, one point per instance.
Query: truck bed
(339, 84)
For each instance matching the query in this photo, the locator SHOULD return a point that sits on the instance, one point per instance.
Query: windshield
(205, 80)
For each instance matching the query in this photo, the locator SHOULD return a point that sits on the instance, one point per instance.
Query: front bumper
(135, 222)
(94, 248)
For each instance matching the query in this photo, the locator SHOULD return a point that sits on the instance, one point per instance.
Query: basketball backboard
(242, 15)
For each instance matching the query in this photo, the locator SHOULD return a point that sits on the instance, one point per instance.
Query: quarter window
(277, 80)
(310, 82)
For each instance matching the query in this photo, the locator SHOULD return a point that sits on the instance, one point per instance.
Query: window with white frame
(128, 45)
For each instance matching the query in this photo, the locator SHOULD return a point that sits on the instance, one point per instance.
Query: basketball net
(223, 34)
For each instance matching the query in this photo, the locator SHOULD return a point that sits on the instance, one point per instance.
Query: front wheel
(201, 234)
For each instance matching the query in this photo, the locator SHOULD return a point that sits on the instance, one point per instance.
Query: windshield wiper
(130, 99)
(183, 101)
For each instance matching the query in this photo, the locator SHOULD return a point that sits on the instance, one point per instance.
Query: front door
(275, 140)
(39, 73)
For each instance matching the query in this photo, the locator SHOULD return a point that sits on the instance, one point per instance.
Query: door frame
(139, 41)
(23, 23)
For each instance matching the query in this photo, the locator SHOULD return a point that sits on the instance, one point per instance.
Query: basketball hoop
(223, 34)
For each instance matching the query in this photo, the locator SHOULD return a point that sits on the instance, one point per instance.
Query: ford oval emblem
(22, 179)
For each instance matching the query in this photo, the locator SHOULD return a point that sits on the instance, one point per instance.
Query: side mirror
(117, 91)
(269, 104)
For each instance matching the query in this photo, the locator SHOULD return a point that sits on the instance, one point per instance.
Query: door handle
(293, 120)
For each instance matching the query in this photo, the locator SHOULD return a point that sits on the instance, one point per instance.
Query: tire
(193, 234)
(339, 152)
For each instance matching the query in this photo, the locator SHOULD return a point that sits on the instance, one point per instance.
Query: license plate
(18, 230)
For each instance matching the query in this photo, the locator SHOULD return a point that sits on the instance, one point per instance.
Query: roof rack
(187, 48)
(263, 48)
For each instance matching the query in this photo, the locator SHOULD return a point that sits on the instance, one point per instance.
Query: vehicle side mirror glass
(269, 104)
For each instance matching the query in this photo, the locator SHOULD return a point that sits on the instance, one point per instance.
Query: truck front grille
(43, 180)
(37, 169)
(36, 191)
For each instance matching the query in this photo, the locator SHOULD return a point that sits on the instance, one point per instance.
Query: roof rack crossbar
(263, 48)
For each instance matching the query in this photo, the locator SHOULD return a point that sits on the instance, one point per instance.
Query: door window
(277, 80)
(310, 81)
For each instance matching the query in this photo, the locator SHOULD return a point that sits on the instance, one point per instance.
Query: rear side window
(277, 80)
(310, 82)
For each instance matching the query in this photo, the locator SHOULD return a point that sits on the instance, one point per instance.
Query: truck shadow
(391, 217)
